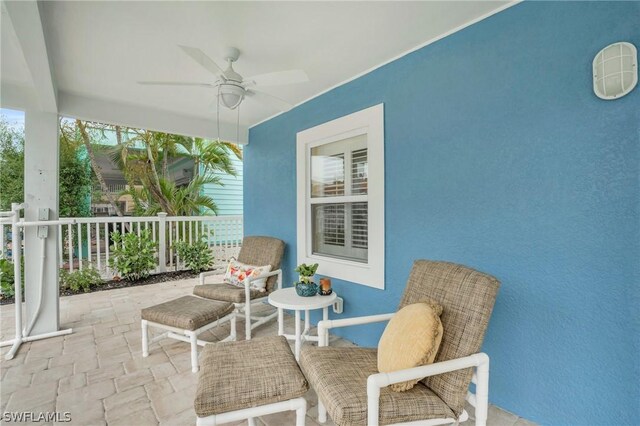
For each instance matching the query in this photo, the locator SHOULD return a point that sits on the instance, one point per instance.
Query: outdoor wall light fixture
(615, 70)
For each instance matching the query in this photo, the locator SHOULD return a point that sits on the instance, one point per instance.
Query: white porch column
(41, 191)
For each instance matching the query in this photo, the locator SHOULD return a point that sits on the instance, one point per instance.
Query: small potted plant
(305, 286)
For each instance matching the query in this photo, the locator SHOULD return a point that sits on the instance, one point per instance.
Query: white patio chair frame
(299, 405)
(375, 382)
(189, 336)
(243, 309)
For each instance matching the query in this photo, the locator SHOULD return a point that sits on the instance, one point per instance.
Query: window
(340, 204)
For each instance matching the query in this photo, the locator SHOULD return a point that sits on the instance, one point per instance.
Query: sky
(13, 117)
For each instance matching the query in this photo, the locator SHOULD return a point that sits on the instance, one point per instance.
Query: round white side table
(287, 298)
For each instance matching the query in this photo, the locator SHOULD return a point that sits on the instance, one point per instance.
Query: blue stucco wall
(499, 156)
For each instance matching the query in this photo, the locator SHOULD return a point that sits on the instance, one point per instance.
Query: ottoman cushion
(237, 375)
(188, 312)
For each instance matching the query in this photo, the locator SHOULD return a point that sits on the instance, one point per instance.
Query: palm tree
(185, 200)
(138, 158)
(213, 156)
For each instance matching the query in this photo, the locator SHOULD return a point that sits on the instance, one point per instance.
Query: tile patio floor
(99, 376)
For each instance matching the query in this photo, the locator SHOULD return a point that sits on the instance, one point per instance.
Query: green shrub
(133, 256)
(80, 279)
(6, 277)
(197, 257)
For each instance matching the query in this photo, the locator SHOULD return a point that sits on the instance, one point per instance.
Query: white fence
(86, 241)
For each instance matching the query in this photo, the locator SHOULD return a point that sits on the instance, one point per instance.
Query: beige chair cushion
(237, 375)
(411, 339)
(467, 297)
(187, 312)
(339, 376)
(225, 292)
(257, 250)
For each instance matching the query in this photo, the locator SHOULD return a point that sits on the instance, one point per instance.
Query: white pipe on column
(36, 314)
(16, 242)
(23, 335)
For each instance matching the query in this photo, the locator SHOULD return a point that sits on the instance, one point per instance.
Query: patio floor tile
(125, 411)
(52, 374)
(144, 417)
(105, 373)
(25, 399)
(169, 405)
(125, 397)
(137, 378)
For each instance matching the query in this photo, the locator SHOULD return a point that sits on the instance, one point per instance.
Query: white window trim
(371, 122)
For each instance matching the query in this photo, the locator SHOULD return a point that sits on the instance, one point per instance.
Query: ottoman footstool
(247, 379)
(184, 319)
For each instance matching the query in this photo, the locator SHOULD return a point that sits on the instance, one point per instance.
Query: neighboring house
(227, 197)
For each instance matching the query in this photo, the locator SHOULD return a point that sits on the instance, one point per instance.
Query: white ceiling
(99, 49)
(13, 68)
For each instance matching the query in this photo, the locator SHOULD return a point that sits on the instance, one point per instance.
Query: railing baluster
(60, 252)
(70, 246)
(191, 231)
(80, 247)
(89, 243)
(98, 251)
(226, 235)
(2, 243)
(170, 223)
(106, 247)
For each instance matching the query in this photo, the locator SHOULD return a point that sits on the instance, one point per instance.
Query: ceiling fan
(232, 87)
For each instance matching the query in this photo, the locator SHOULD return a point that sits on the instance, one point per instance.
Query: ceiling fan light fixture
(231, 95)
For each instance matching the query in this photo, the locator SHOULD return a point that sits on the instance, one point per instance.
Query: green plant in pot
(305, 286)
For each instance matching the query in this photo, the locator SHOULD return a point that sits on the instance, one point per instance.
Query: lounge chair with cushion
(352, 390)
(257, 251)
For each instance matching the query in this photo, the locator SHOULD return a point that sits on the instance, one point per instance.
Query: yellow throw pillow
(411, 339)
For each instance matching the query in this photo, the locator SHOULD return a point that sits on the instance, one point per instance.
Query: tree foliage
(75, 178)
(144, 159)
(11, 165)
(75, 174)
(143, 156)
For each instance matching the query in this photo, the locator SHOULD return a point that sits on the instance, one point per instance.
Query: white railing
(86, 241)
(114, 188)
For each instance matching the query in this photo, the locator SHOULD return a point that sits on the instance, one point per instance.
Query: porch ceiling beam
(113, 112)
(15, 96)
(27, 23)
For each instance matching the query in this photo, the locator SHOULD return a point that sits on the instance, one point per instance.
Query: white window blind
(340, 206)
(339, 173)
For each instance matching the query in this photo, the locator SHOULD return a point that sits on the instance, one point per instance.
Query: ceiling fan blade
(266, 98)
(174, 83)
(200, 57)
(278, 78)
